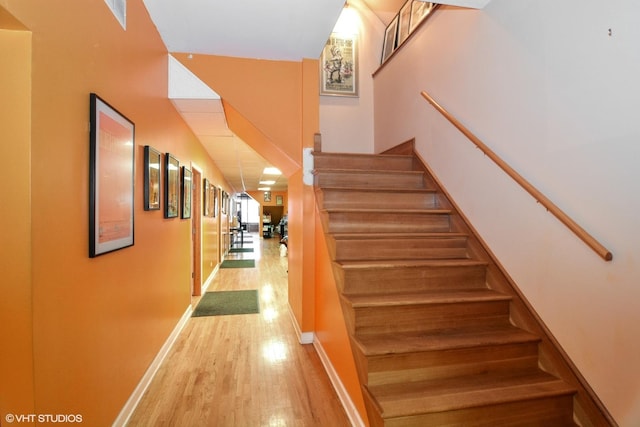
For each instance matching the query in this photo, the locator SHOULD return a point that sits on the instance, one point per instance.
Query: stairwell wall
(346, 123)
(552, 89)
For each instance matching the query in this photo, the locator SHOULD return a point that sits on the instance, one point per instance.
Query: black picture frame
(390, 39)
(215, 201)
(404, 18)
(111, 178)
(171, 186)
(205, 197)
(152, 178)
(223, 198)
(420, 10)
(186, 188)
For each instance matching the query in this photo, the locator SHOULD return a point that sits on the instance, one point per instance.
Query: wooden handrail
(541, 198)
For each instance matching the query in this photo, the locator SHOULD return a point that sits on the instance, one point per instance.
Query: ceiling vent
(119, 9)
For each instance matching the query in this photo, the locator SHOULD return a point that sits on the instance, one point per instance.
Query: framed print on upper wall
(186, 193)
(419, 12)
(205, 197)
(403, 21)
(111, 178)
(339, 66)
(390, 39)
(152, 164)
(215, 201)
(171, 186)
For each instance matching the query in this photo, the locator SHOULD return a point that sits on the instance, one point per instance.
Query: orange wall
(330, 328)
(262, 101)
(97, 323)
(16, 361)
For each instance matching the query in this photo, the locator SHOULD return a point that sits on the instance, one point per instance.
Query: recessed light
(264, 188)
(271, 171)
(270, 182)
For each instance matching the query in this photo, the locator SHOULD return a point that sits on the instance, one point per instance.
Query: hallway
(243, 370)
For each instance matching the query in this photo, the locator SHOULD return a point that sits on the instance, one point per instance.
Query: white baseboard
(303, 337)
(135, 397)
(347, 403)
(207, 282)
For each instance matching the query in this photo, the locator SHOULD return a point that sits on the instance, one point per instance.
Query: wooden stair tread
(411, 263)
(366, 171)
(378, 190)
(408, 342)
(360, 155)
(424, 297)
(439, 211)
(395, 235)
(465, 392)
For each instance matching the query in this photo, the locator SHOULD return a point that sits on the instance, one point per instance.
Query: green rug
(227, 302)
(236, 250)
(238, 263)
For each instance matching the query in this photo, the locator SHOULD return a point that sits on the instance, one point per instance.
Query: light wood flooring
(243, 370)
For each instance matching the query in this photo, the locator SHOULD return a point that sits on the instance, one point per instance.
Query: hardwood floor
(243, 370)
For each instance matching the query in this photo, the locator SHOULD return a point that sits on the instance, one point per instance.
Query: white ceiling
(287, 30)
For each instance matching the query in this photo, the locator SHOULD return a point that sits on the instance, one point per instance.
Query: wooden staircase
(439, 335)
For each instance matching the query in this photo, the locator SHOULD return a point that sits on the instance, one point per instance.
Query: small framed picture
(186, 193)
(111, 178)
(419, 12)
(216, 201)
(223, 205)
(403, 21)
(206, 199)
(267, 196)
(390, 38)
(171, 186)
(278, 200)
(152, 164)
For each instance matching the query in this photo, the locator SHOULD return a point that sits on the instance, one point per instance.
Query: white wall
(546, 87)
(346, 123)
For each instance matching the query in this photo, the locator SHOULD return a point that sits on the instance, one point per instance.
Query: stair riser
(331, 199)
(366, 222)
(428, 365)
(369, 180)
(365, 162)
(398, 279)
(376, 249)
(553, 411)
(428, 317)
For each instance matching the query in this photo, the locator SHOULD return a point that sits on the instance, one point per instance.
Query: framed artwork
(171, 186)
(223, 198)
(152, 164)
(403, 21)
(216, 201)
(267, 196)
(339, 66)
(111, 178)
(390, 37)
(206, 199)
(278, 200)
(419, 11)
(186, 193)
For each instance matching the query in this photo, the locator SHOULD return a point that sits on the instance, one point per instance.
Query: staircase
(432, 321)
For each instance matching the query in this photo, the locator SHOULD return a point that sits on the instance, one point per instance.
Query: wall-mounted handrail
(534, 192)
